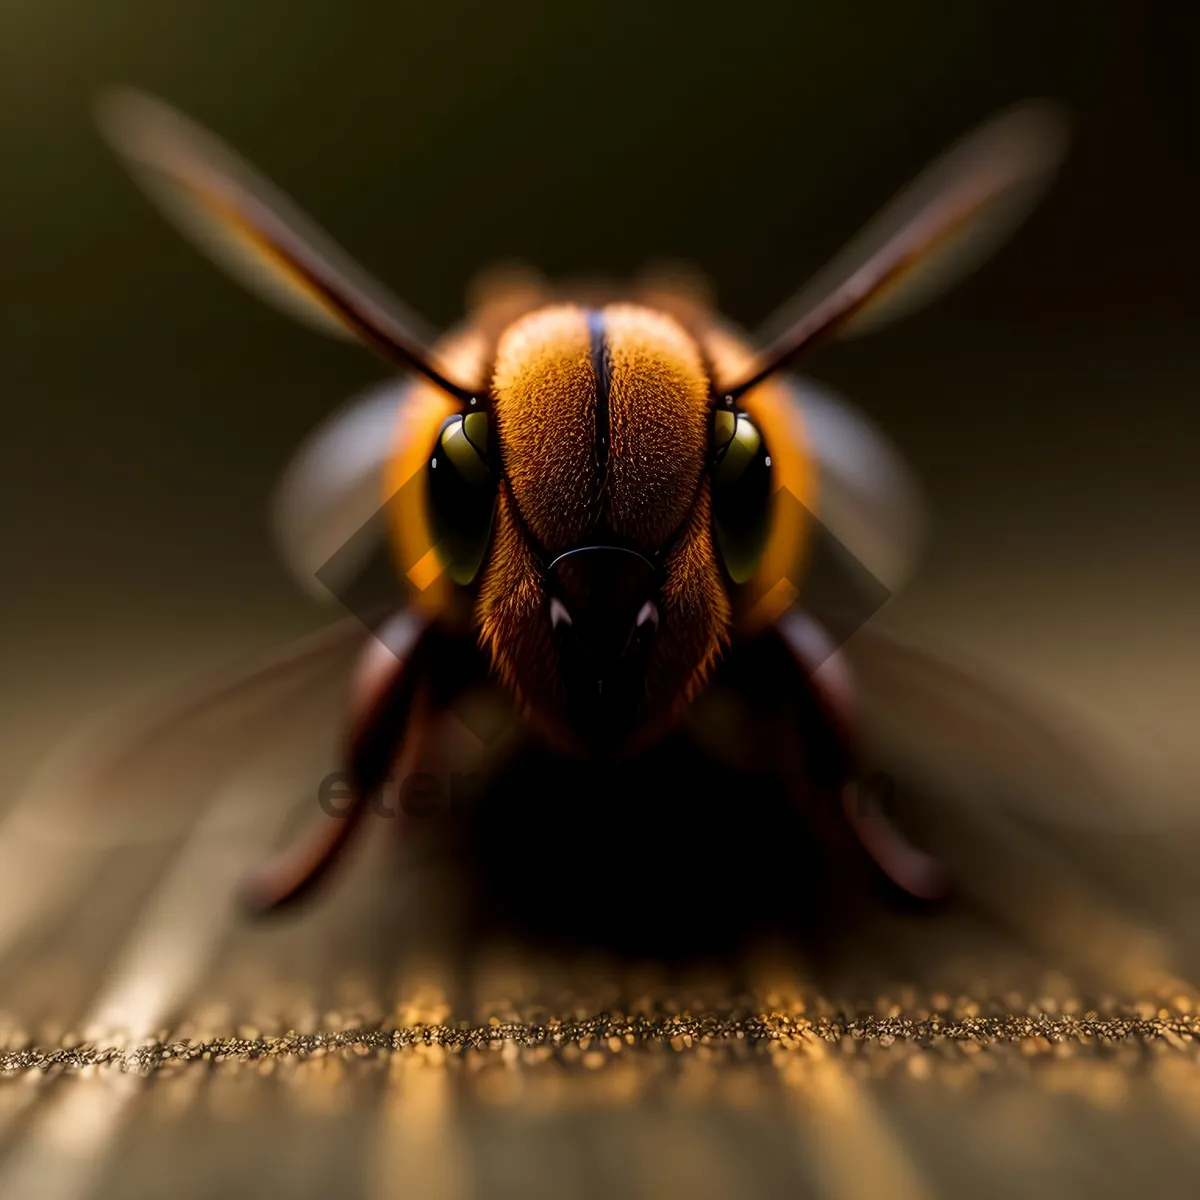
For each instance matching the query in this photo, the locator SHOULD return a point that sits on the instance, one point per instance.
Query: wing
(227, 765)
(246, 225)
(869, 503)
(146, 772)
(1054, 766)
(329, 508)
(1052, 820)
(932, 234)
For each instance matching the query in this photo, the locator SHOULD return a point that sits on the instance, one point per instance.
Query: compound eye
(741, 493)
(462, 495)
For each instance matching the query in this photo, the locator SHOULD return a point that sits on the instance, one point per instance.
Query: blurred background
(1049, 404)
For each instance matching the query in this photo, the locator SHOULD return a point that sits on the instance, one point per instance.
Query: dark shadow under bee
(727, 832)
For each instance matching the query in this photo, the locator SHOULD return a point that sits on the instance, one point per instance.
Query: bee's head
(577, 503)
(606, 507)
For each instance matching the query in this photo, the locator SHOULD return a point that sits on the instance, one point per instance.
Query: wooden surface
(651, 987)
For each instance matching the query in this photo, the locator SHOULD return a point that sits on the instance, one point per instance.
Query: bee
(606, 500)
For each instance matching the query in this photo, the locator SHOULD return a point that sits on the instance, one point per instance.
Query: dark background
(1050, 404)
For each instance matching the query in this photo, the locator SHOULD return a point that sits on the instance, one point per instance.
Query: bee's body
(738, 807)
(603, 412)
(607, 502)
